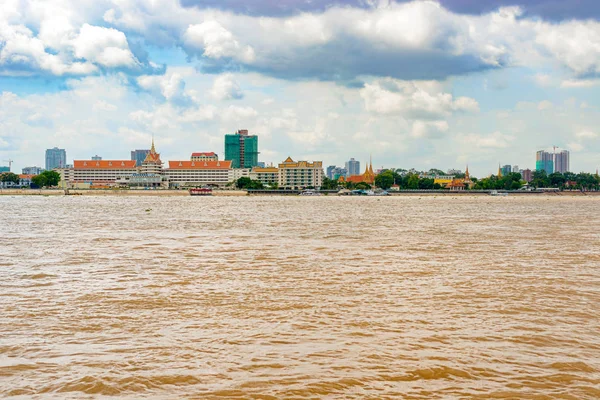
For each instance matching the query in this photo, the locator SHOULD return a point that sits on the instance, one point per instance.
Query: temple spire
(152, 149)
(499, 171)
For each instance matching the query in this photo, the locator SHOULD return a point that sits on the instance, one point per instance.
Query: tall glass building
(56, 158)
(241, 149)
(561, 162)
(139, 156)
(544, 161)
(353, 167)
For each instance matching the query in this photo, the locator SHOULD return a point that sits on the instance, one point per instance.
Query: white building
(268, 176)
(301, 174)
(198, 173)
(237, 173)
(100, 172)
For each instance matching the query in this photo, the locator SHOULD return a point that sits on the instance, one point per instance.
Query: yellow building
(265, 175)
(300, 174)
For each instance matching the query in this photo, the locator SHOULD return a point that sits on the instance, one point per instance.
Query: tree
(10, 178)
(539, 179)
(557, 180)
(247, 183)
(362, 186)
(384, 180)
(412, 181)
(329, 184)
(46, 178)
(426, 183)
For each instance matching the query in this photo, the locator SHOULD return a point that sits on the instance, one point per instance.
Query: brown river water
(303, 297)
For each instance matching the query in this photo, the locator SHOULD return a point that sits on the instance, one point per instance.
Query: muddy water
(300, 297)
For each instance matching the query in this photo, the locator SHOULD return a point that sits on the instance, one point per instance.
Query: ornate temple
(367, 177)
(152, 164)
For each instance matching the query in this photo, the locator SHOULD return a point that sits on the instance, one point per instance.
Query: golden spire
(152, 149)
(371, 164)
(499, 171)
(467, 176)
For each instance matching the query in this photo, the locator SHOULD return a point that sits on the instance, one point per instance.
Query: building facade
(101, 172)
(352, 167)
(506, 170)
(139, 156)
(544, 161)
(526, 175)
(205, 156)
(562, 162)
(198, 173)
(96, 158)
(4, 169)
(268, 176)
(32, 170)
(56, 158)
(300, 174)
(330, 170)
(241, 149)
(237, 173)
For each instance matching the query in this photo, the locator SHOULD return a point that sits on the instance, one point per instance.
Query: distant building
(261, 164)
(339, 172)
(139, 156)
(301, 174)
(515, 168)
(198, 173)
(206, 156)
(32, 170)
(562, 161)
(4, 169)
(367, 177)
(56, 158)
(96, 158)
(101, 172)
(453, 171)
(352, 167)
(506, 170)
(237, 173)
(268, 176)
(544, 161)
(330, 170)
(241, 149)
(526, 175)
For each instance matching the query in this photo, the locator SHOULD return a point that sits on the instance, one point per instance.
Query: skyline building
(56, 158)
(96, 158)
(562, 161)
(4, 169)
(139, 156)
(241, 149)
(544, 161)
(330, 170)
(352, 167)
(32, 170)
(526, 175)
(506, 169)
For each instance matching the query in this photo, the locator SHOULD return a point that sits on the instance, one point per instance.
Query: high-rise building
(561, 162)
(353, 167)
(96, 158)
(241, 149)
(139, 156)
(544, 161)
(330, 170)
(56, 158)
(506, 169)
(515, 168)
(300, 175)
(4, 169)
(526, 175)
(32, 170)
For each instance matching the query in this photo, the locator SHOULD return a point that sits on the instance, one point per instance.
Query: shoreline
(228, 193)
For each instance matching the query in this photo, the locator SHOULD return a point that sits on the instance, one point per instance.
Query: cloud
(416, 100)
(171, 85)
(216, 42)
(225, 87)
(545, 105)
(575, 147)
(586, 134)
(103, 46)
(429, 129)
(583, 83)
(496, 140)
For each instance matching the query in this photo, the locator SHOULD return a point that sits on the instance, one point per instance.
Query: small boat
(309, 192)
(200, 192)
(497, 193)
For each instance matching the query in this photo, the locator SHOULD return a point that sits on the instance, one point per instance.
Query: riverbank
(222, 193)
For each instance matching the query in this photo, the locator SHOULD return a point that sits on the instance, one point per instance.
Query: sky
(414, 84)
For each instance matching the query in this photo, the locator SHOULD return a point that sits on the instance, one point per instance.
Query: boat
(200, 192)
(309, 192)
(497, 193)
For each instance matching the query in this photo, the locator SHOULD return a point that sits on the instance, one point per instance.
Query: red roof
(104, 164)
(199, 164)
(26, 176)
(207, 154)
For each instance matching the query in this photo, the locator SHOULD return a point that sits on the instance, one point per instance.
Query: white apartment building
(99, 171)
(198, 173)
(237, 173)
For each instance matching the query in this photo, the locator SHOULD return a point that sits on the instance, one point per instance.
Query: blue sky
(414, 83)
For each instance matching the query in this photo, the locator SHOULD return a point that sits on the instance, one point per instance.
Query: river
(300, 297)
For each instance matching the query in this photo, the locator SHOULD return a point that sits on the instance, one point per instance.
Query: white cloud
(233, 113)
(586, 134)
(225, 87)
(170, 86)
(428, 129)
(545, 105)
(583, 83)
(496, 140)
(416, 100)
(575, 147)
(216, 42)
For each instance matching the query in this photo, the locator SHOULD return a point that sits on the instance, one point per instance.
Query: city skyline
(427, 84)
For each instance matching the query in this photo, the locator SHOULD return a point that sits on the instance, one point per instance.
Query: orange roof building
(367, 177)
(199, 173)
(102, 171)
(205, 156)
(152, 164)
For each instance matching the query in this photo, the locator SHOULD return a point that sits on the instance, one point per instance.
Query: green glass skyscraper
(241, 149)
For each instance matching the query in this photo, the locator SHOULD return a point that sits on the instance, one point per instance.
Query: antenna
(9, 161)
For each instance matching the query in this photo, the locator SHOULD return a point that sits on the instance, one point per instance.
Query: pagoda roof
(104, 164)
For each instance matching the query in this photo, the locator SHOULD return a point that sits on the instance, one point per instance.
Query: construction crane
(9, 161)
